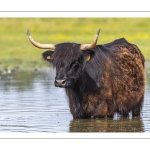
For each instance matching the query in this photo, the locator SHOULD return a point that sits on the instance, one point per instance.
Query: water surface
(29, 102)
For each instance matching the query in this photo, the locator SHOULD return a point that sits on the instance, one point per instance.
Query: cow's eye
(74, 66)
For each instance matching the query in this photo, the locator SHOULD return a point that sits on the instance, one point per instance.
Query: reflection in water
(29, 102)
(107, 125)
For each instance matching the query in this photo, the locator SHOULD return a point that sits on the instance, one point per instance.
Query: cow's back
(122, 80)
(127, 75)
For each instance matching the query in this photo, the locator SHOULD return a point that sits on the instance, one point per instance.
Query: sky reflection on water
(29, 102)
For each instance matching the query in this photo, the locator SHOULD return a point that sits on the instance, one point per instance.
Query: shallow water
(29, 102)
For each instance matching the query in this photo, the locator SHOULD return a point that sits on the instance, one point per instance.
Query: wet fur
(113, 81)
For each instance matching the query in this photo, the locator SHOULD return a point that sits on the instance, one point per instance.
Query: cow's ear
(88, 57)
(88, 54)
(90, 66)
(47, 55)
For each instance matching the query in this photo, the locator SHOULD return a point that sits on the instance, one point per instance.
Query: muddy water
(29, 102)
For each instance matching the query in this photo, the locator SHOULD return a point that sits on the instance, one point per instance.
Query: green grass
(17, 51)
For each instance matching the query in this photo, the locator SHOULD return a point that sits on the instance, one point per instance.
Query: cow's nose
(60, 83)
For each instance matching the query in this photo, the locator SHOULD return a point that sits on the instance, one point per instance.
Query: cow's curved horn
(39, 45)
(92, 45)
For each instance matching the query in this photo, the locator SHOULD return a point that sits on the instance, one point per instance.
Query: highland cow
(100, 80)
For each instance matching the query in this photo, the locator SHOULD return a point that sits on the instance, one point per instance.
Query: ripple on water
(30, 102)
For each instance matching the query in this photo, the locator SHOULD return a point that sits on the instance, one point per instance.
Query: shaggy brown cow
(100, 80)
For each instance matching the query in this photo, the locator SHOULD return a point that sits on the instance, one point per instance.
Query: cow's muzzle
(60, 82)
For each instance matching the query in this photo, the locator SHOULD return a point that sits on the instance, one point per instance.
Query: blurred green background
(17, 51)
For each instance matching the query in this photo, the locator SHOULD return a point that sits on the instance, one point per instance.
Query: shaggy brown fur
(122, 85)
(113, 81)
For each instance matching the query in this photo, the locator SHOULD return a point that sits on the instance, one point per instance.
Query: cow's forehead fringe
(66, 53)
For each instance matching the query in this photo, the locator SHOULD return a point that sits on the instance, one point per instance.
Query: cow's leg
(136, 111)
(137, 108)
(101, 110)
